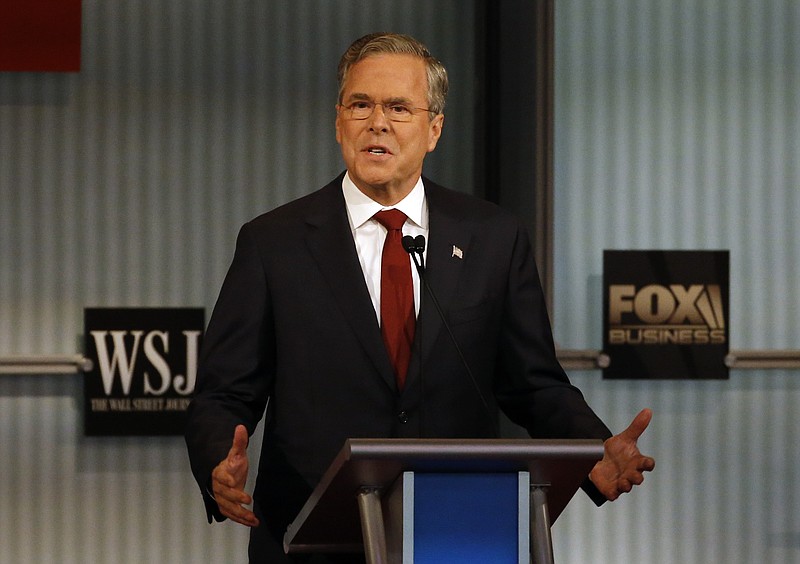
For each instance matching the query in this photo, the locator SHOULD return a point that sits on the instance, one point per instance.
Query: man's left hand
(623, 466)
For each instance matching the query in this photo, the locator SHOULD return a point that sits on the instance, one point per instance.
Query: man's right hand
(228, 480)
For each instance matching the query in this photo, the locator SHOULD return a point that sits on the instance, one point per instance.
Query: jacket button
(402, 417)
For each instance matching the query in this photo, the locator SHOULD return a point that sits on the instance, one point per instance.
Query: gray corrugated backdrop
(677, 127)
(125, 184)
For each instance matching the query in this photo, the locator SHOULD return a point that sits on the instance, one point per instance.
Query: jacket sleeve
(531, 386)
(236, 366)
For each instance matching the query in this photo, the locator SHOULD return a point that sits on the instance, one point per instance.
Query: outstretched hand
(623, 466)
(228, 480)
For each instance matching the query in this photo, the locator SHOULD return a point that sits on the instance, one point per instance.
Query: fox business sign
(666, 314)
(144, 369)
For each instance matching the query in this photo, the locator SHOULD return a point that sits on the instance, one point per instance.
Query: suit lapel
(443, 269)
(331, 244)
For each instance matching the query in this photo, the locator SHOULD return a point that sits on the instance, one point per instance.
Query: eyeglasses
(394, 111)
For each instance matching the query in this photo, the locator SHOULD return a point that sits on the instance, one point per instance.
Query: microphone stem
(429, 290)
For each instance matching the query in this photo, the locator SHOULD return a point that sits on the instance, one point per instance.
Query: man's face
(384, 157)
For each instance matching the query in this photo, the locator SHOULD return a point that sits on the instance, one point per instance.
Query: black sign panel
(144, 369)
(666, 314)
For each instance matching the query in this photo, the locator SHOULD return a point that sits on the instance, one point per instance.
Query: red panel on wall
(40, 35)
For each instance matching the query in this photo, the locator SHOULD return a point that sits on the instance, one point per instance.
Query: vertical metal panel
(124, 185)
(676, 128)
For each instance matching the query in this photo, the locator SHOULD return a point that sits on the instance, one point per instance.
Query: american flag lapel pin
(458, 253)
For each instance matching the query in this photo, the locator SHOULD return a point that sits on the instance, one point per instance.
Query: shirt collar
(361, 208)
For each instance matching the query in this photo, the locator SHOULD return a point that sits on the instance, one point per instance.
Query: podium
(443, 500)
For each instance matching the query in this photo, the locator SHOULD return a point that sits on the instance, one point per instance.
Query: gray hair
(397, 44)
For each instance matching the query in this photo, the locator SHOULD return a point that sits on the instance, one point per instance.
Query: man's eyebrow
(398, 100)
(359, 96)
(392, 100)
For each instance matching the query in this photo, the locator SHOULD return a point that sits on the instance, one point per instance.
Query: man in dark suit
(300, 332)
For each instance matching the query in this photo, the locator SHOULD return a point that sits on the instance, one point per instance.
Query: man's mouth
(377, 151)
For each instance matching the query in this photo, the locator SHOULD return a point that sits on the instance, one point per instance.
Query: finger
(231, 502)
(236, 462)
(637, 426)
(647, 464)
(231, 494)
(221, 475)
(637, 478)
(239, 446)
(239, 514)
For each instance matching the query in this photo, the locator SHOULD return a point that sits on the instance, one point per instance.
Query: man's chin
(374, 179)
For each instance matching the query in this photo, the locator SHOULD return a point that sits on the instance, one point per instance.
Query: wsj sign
(666, 314)
(145, 365)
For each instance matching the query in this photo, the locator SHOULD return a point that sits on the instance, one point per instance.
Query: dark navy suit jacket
(294, 331)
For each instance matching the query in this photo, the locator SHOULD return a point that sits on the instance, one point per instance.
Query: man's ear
(435, 131)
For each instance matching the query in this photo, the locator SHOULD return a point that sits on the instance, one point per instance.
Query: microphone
(416, 246)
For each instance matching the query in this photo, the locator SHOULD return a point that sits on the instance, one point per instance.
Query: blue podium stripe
(464, 518)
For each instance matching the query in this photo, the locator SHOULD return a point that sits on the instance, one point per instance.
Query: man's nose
(378, 119)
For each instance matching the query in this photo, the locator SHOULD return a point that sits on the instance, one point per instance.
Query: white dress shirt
(369, 235)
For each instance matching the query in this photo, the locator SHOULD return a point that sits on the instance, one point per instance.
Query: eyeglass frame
(411, 110)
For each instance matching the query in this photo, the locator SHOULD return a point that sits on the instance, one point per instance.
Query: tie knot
(391, 219)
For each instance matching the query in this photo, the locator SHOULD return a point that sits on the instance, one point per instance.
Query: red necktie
(397, 295)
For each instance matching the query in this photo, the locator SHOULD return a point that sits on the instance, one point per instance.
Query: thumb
(638, 425)
(239, 446)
